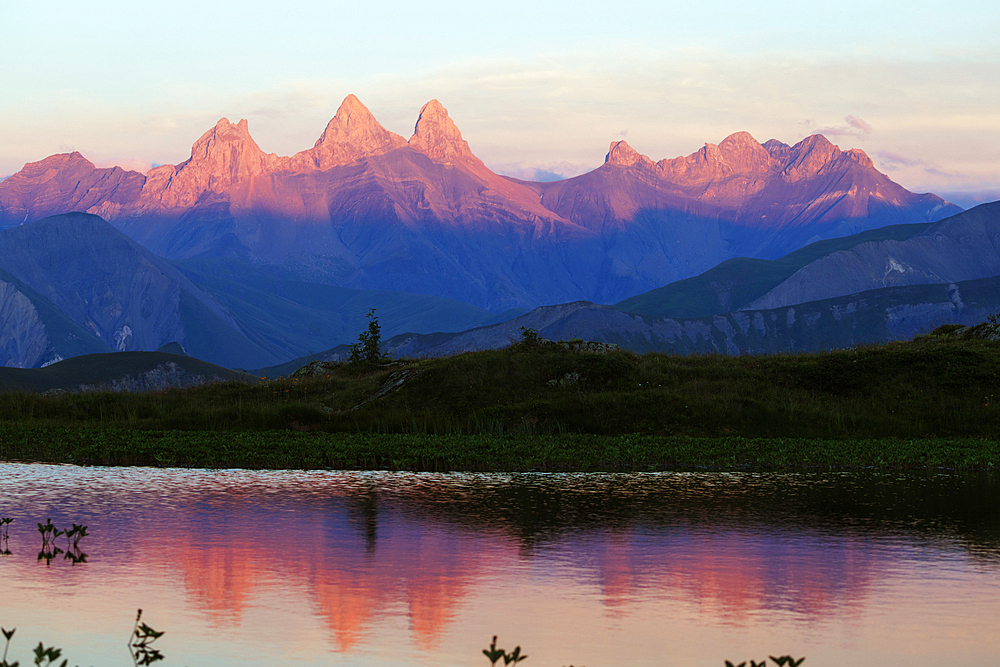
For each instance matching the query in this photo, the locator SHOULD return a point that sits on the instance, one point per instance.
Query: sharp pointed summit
(223, 157)
(436, 135)
(809, 156)
(743, 154)
(351, 134)
(620, 153)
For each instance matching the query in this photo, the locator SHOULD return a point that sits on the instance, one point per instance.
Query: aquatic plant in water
(783, 661)
(494, 654)
(139, 646)
(140, 642)
(4, 534)
(73, 536)
(45, 656)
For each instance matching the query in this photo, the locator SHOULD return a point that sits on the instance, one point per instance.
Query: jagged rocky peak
(436, 135)
(224, 156)
(807, 157)
(860, 157)
(48, 168)
(228, 143)
(778, 149)
(350, 135)
(744, 154)
(621, 154)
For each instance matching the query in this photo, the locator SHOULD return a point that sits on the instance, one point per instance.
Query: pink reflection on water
(323, 566)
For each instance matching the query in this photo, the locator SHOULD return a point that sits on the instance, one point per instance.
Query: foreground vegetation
(932, 401)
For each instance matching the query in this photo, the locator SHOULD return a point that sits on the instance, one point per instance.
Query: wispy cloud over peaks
(853, 127)
(542, 174)
(128, 164)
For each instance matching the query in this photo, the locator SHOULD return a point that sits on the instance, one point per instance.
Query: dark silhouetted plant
(784, 661)
(45, 656)
(7, 634)
(4, 535)
(788, 661)
(73, 536)
(494, 654)
(529, 338)
(140, 642)
(368, 349)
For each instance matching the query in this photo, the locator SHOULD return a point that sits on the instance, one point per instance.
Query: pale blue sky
(532, 85)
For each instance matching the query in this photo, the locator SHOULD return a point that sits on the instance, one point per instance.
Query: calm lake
(328, 568)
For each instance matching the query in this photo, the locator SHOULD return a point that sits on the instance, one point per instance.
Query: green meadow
(934, 401)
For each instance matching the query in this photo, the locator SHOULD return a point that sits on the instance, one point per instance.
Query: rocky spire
(350, 135)
(809, 156)
(743, 154)
(620, 153)
(224, 156)
(436, 136)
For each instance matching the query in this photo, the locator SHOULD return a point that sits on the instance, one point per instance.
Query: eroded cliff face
(118, 292)
(24, 340)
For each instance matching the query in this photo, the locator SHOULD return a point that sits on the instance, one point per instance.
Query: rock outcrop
(224, 158)
(168, 375)
(119, 292)
(353, 133)
(877, 316)
(23, 336)
(436, 136)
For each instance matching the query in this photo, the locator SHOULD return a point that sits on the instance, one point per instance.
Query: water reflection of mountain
(736, 544)
(356, 547)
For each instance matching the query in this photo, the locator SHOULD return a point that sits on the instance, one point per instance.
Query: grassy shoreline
(481, 453)
(927, 403)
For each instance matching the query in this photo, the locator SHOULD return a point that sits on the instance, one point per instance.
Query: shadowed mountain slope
(894, 313)
(276, 308)
(366, 209)
(34, 332)
(73, 285)
(963, 247)
(737, 282)
(120, 292)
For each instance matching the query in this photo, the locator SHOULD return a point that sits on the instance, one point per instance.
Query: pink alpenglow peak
(436, 135)
(350, 135)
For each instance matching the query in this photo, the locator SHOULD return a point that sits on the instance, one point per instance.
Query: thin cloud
(894, 162)
(284, 104)
(541, 174)
(853, 127)
(128, 164)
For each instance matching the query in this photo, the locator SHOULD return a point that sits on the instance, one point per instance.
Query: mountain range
(250, 260)
(365, 208)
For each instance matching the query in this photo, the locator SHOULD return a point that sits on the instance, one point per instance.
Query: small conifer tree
(368, 349)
